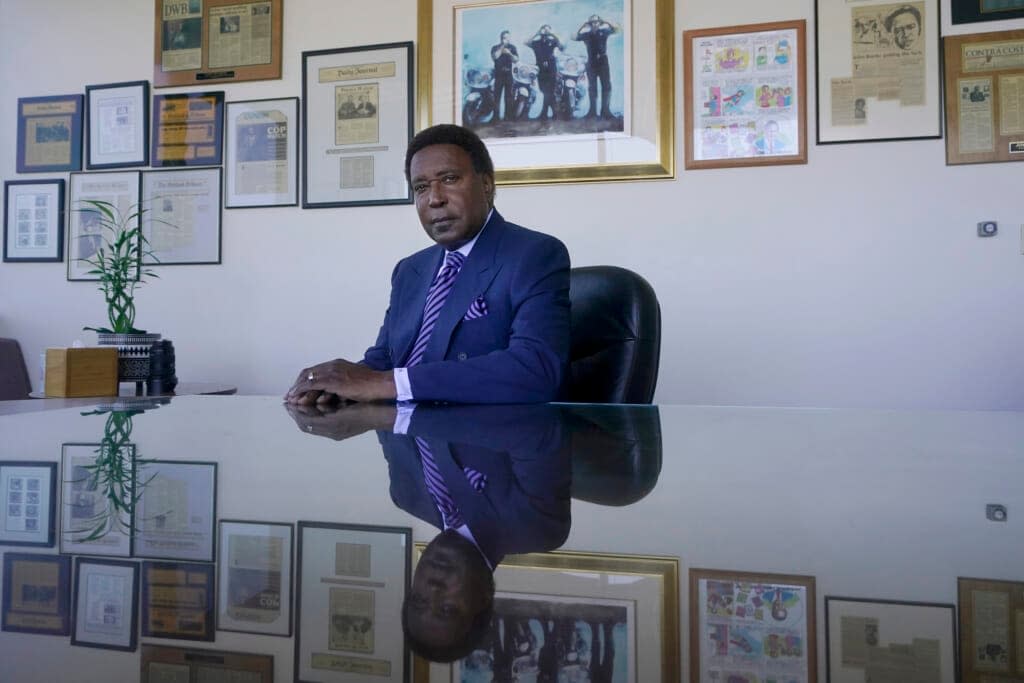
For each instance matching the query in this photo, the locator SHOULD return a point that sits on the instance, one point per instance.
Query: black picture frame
(200, 482)
(58, 622)
(53, 121)
(80, 502)
(132, 630)
(174, 115)
(117, 119)
(198, 581)
(45, 526)
(21, 230)
(970, 11)
(257, 576)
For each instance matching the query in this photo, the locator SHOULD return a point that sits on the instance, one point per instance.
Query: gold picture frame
(572, 577)
(645, 147)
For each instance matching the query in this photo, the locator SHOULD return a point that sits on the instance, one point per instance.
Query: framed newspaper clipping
(991, 630)
(261, 165)
(745, 95)
(188, 129)
(85, 227)
(36, 594)
(356, 124)
(106, 613)
(162, 664)
(216, 41)
(34, 220)
(49, 134)
(182, 224)
(118, 124)
(28, 503)
(176, 512)
(255, 578)
(177, 600)
(984, 97)
(878, 70)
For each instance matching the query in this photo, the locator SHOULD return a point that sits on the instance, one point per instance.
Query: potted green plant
(118, 265)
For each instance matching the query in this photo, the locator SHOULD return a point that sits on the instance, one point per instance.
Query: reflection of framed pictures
(969, 11)
(580, 605)
(626, 53)
(356, 124)
(162, 664)
(177, 600)
(176, 511)
(984, 81)
(212, 41)
(182, 222)
(37, 592)
(34, 220)
(28, 503)
(106, 604)
(882, 639)
(745, 94)
(351, 581)
(878, 71)
(49, 134)
(85, 231)
(262, 153)
(991, 628)
(751, 624)
(118, 125)
(188, 129)
(94, 516)
(255, 578)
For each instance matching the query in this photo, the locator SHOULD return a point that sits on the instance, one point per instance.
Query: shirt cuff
(403, 417)
(402, 388)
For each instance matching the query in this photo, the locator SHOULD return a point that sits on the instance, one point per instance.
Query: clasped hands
(343, 380)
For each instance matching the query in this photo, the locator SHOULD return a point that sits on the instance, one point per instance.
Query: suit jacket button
(462, 355)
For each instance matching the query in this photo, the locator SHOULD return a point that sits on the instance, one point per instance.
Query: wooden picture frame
(49, 134)
(991, 630)
(161, 664)
(196, 42)
(33, 221)
(745, 95)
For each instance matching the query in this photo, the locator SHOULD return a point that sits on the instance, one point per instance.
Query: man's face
(905, 30)
(452, 199)
(505, 38)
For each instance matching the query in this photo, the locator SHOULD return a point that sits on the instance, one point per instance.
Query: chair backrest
(14, 382)
(615, 338)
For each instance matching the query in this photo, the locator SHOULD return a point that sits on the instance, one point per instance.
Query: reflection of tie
(437, 488)
(436, 296)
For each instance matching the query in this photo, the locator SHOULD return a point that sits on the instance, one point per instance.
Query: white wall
(856, 280)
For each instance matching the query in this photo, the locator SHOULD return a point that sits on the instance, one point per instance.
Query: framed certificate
(262, 153)
(176, 512)
(96, 518)
(106, 604)
(351, 583)
(212, 41)
(169, 664)
(85, 227)
(34, 220)
(991, 630)
(49, 134)
(37, 591)
(356, 125)
(188, 129)
(118, 122)
(28, 503)
(182, 223)
(177, 600)
(255, 577)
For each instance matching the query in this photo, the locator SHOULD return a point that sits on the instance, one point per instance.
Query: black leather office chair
(615, 338)
(14, 382)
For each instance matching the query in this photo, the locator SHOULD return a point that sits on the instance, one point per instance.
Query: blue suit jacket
(517, 353)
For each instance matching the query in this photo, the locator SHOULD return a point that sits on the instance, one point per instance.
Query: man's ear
(489, 187)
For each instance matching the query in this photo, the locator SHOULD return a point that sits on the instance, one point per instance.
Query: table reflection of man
(905, 26)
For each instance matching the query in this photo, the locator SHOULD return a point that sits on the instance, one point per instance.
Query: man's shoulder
(518, 234)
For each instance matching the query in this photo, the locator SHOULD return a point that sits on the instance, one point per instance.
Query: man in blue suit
(501, 333)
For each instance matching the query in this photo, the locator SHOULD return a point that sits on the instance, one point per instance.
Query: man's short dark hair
(448, 134)
(903, 9)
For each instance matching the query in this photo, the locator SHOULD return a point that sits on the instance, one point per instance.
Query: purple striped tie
(436, 296)
(437, 488)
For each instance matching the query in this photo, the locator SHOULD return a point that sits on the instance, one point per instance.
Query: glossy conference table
(884, 505)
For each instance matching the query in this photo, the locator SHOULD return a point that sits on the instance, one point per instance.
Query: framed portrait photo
(356, 124)
(97, 500)
(743, 624)
(37, 594)
(188, 129)
(584, 89)
(118, 123)
(161, 664)
(991, 630)
(878, 71)
(28, 503)
(182, 223)
(177, 600)
(176, 511)
(970, 11)
(888, 639)
(745, 95)
(598, 612)
(106, 604)
(351, 581)
(34, 220)
(85, 228)
(255, 577)
(49, 134)
(262, 153)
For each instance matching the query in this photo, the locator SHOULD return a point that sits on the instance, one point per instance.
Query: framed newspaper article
(28, 497)
(744, 624)
(889, 640)
(182, 223)
(984, 97)
(351, 583)
(162, 664)
(37, 593)
(255, 578)
(176, 512)
(118, 123)
(177, 600)
(85, 227)
(878, 70)
(745, 95)
(356, 124)
(34, 220)
(106, 610)
(188, 129)
(216, 41)
(969, 11)
(991, 630)
(49, 134)
(96, 513)
(261, 143)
